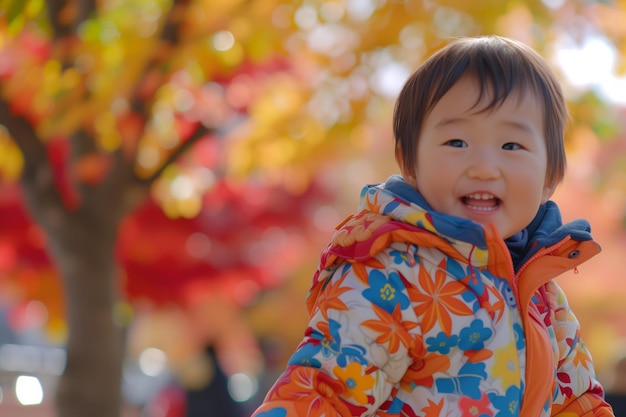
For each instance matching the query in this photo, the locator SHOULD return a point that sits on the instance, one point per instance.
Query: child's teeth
(479, 196)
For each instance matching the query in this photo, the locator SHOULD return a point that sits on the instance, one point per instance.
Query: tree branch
(64, 20)
(122, 187)
(199, 133)
(55, 9)
(170, 37)
(37, 178)
(85, 9)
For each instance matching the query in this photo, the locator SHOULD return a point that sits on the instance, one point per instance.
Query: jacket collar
(402, 202)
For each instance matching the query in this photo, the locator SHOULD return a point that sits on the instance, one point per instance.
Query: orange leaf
(92, 168)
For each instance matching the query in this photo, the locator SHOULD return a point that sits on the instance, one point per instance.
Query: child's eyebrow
(515, 124)
(449, 121)
(520, 125)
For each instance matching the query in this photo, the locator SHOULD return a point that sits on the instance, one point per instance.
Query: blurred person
(616, 388)
(437, 298)
(209, 398)
(213, 398)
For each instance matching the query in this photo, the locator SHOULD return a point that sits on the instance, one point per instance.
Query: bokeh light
(28, 390)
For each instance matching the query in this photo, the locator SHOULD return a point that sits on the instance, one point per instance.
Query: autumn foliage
(165, 151)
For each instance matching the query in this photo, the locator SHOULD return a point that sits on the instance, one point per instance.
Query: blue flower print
(442, 343)
(455, 269)
(467, 383)
(509, 404)
(390, 207)
(474, 336)
(320, 343)
(333, 345)
(329, 348)
(519, 336)
(351, 353)
(396, 407)
(507, 292)
(305, 356)
(386, 292)
(402, 257)
(471, 300)
(276, 412)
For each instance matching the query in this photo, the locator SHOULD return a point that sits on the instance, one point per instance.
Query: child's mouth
(483, 202)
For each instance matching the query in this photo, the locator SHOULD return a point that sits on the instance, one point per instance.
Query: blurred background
(170, 171)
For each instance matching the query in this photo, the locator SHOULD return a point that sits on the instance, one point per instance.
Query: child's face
(487, 166)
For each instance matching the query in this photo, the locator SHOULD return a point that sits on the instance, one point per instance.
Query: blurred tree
(100, 100)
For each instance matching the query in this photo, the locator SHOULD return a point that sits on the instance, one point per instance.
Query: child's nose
(483, 166)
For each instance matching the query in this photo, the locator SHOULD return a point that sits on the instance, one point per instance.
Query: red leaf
(58, 152)
(563, 376)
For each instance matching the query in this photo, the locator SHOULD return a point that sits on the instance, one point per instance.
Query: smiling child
(437, 298)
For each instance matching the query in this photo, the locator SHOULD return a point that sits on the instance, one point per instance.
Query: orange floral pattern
(439, 299)
(390, 329)
(410, 315)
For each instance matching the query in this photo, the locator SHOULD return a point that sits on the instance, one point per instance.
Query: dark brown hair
(502, 67)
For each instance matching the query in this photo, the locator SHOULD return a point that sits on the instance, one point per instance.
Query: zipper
(540, 254)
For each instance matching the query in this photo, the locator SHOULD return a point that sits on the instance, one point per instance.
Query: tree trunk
(81, 238)
(81, 243)
(91, 383)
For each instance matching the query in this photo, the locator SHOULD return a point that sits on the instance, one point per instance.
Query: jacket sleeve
(359, 343)
(578, 392)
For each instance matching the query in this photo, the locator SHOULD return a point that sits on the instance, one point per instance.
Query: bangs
(498, 75)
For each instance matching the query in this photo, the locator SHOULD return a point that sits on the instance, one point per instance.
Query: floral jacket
(416, 313)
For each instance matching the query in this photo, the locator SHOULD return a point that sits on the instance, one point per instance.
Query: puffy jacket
(417, 313)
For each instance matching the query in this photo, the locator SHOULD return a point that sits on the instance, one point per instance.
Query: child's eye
(456, 143)
(511, 146)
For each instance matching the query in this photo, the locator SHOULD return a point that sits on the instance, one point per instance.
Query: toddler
(438, 297)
